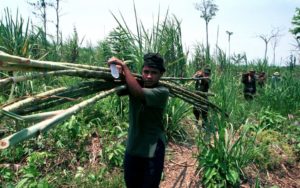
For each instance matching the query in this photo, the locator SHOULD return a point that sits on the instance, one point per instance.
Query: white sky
(245, 18)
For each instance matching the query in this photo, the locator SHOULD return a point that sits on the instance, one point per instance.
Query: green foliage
(122, 48)
(30, 175)
(163, 38)
(18, 153)
(171, 48)
(223, 158)
(87, 55)
(15, 35)
(221, 59)
(284, 98)
(198, 58)
(296, 23)
(113, 151)
(71, 48)
(6, 174)
(176, 112)
(71, 130)
(270, 120)
(18, 38)
(273, 150)
(103, 51)
(98, 178)
(292, 132)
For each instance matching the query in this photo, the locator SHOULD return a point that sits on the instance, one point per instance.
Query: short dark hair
(154, 60)
(207, 70)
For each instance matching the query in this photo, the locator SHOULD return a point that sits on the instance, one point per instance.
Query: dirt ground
(180, 167)
(180, 171)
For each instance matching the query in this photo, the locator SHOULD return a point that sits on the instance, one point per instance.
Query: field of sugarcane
(62, 125)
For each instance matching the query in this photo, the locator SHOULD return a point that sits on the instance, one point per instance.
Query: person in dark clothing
(262, 79)
(145, 147)
(202, 85)
(249, 81)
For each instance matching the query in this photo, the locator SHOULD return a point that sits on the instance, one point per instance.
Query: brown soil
(180, 167)
(180, 171)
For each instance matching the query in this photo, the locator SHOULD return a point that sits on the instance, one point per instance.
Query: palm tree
(208, 10)
(229, 34)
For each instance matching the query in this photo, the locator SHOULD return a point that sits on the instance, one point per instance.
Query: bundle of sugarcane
(102, 86)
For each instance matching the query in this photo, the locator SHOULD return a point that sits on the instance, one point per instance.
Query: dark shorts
(142, 172)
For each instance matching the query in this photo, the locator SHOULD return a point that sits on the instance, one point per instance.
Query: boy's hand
(198, 73)
(119, 63)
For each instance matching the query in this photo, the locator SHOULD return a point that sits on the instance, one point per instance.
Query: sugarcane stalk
(77, 73)
(21, 68)
(205, 93)
(32, 117)
(185, 92)
(181, 78)
(29, 100)
(58, 96)
(87, 67)
(47, 65)
(55, 100)
(4, 57)
(190, 101)
(11, 115)
(197, 98)
(51, 122)
(11, 59)
(41, 116)
(14, 60)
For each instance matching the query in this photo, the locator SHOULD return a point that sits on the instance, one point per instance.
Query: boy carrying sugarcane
(145, 149)
(202, 84)
(249, 81)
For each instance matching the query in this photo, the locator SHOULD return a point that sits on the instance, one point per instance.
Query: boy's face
(206, 74)
(150, 76)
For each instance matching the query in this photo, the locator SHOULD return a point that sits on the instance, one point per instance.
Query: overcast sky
(247, 19)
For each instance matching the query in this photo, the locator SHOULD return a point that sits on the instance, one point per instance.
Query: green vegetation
(87, 150)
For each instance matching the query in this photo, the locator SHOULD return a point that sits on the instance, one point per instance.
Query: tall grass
(285, 98)
(226, 148)
(164, 37)
(176, 112)
(223, 157)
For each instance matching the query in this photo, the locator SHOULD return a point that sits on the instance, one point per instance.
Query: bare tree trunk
(57, 21)
(44, 16)
(207, 46)
(266, 51)
(274, 53)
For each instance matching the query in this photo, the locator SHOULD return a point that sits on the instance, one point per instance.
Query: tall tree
(274, 42)
(56, 6)
(207, 10)
(296, 23)
(267, 38)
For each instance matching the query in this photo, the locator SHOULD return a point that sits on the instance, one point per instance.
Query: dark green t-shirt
(146, 121)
